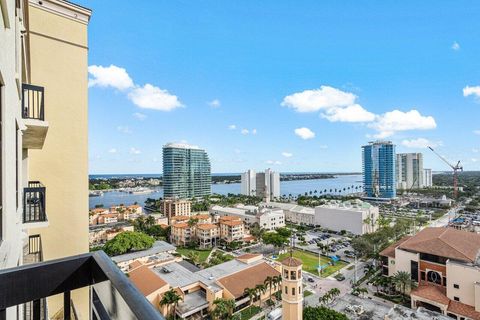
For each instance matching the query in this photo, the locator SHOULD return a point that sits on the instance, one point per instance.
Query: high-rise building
(186, 171)
(378, 164)
(409, 170)
(427, 178)
(262, 184)
(249, 183)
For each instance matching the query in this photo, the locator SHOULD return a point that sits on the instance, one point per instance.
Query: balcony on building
(34, 208)
(33, 114)
(112, 295)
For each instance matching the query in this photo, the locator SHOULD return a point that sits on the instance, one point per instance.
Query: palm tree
(170, 297)
(334, 292)
(402, 281)
(223, 308)
(277, 280)
(150, 221)
(260, 289)
(269, 283)
(251, 292)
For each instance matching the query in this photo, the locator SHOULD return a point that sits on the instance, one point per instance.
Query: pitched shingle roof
(445, 242)
(247, 278)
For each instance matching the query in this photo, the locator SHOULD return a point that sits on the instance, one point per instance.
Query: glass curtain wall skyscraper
(186, 171)
(379, 169)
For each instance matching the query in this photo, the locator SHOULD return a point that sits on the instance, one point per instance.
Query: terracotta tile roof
(247, 278)
(180, 218)
(231, 223)
(390, 250)
(445, 242)
(109, 215)
(432, 293)
(291, 262)
(229, 218)
(135, 264)
(247, 256)
(464, 310)
(99, 210)
(182, 225)
(146, 280)
(248, 238)
(201, 216)
(206, 226)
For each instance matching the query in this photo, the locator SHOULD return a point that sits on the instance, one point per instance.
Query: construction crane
(455, 168)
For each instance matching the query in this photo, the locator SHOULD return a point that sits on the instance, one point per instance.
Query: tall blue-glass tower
(378, 163)
(186, 171)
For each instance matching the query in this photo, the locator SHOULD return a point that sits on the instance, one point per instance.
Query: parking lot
(337, 244)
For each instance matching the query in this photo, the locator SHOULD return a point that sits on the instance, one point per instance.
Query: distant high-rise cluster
(262, 184)
(186, 171)
(379, 169)
(409, 171)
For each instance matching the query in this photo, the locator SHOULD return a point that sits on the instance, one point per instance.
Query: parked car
(340, 277)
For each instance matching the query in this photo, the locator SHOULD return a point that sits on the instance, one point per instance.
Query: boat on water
(96, 193)
(140, 191)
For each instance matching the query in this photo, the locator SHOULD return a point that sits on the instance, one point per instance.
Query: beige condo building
(44, 171)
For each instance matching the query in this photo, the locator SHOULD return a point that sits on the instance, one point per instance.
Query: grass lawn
(249, 312)
(203, 254)
(307, 293)
(310, 262)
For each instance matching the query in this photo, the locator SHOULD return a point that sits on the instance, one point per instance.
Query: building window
(299, 290)
(286, 290)
(414, 270)
(285, 274)
(456, 298)
(299, 274)
(293, 291)
(444, 281)
(434, 277)
(456, 286)
(422, 275)
(293, 275)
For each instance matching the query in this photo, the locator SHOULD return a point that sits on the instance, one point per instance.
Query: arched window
(434, 277)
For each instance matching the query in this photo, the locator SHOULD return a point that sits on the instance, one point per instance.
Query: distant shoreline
(159, 175)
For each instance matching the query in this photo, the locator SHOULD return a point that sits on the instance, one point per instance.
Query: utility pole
(355, 271)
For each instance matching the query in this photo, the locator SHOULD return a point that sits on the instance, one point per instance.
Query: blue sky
(346, 72)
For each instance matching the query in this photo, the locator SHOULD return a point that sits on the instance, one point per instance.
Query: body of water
(286, 187)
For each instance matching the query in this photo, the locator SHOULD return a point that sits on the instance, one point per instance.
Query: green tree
(260, 289)
(251, 293)
(170, 298)
(128, 241)
(402, 281)
(322, 313)
(223, 308)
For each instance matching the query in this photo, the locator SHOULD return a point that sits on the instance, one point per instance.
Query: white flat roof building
(266, 218)
(293, 212)
(354, 216)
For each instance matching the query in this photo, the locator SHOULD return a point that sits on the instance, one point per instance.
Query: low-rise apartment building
(269, 219)
(176, 207)
(207, 234)
(181, 233)
(445, 264)
(231, 229)
(102, 234)
(354, 216)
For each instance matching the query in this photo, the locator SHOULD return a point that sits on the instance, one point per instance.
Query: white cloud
(244, 132)
(476, 132)
(237, 151)
(112, 150)
(215, 103)
(140, 116)
(353, 113)
(254, 131)
(324, 146)
(155, 159)
(287, 154)
(274, 162)
(134, 151)
(471, 91)
(420, 143)
(152, 97)
(232, 127)
(111, 76)
(124, 129)
(314, 100)
(474, 159)
(474, 150)
(390, 122)
(456, 46)
(305, 133)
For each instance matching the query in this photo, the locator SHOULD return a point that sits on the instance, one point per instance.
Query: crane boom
(455, 169)
(444, 160)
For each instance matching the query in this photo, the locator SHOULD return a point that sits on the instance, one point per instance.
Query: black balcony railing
(33, 102)
(112, 295)
(34, 202)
